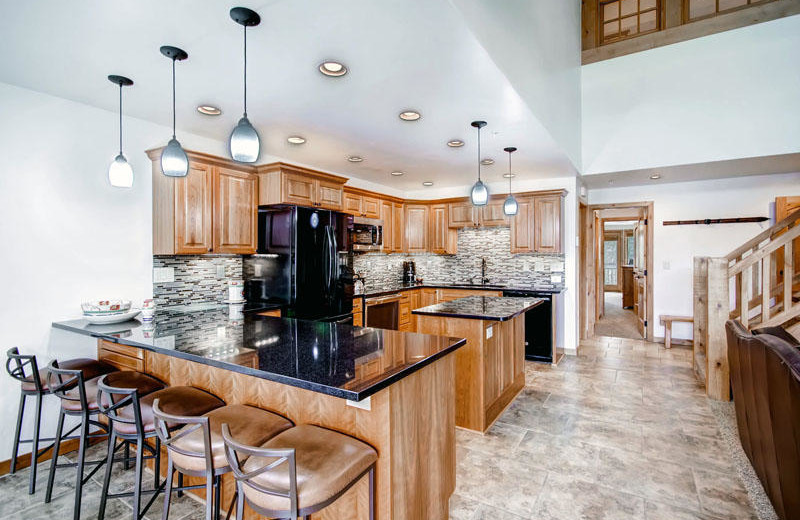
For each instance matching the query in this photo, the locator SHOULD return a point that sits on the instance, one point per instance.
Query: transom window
(623, 19)
(697, 9)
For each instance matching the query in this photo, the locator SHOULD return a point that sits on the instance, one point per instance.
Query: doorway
(616, 265)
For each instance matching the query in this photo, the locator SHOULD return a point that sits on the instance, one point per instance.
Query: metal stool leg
(239, 502)
(17, 432)
(112, 444)
(137, 490)
(217, 496)
(157, 465)
(209, 496)
(76, 512)
(167, 489)
(35, 449)
(54, 459)
(372, 493)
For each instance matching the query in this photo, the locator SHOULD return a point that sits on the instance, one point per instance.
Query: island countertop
(322, 357)
(493, 308)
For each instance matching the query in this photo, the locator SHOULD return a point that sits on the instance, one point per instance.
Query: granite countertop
(322, 357)
(394, 287)
(493, 308)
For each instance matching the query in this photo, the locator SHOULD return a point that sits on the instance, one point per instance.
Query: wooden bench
(666, 321)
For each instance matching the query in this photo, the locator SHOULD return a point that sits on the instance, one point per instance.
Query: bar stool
(198, 449)
(319, 466)
(131, 420)
(33, 382)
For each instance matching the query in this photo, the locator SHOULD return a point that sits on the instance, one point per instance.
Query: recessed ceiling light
(332, 68)
(655, 176)
(296, 139)
(509, 175)
(487, 162)
(455, 143)
(427, 183)
(355, 158)
(397, 173)
(209, 110)
(409, 115)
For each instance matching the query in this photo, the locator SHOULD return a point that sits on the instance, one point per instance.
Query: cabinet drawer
(404, 314)
(121, 361)
(124, 350)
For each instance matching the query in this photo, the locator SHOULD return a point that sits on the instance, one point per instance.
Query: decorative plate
(111, 318)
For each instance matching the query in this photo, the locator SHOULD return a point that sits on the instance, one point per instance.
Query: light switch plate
(163, 274)
(489, 332)
(220, 271)
(555, 278)
(526, 266)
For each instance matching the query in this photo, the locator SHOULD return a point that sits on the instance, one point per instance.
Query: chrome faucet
(483, 279)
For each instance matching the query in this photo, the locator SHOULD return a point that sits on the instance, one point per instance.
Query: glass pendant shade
(510, 206)
(174, 161)
(479, 194)
(244, 144)
(120, 173)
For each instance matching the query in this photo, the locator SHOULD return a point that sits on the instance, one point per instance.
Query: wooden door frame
(589, 265)
(618, 234)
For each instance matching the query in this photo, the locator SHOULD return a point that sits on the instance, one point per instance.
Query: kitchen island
(393, 390)
(490, 368)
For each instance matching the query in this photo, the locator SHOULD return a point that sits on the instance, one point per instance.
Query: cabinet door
(352, 204)
(235, 211)
(398, 228)
(462, 214)
(370, 207)
(298, 189)
(427, 297)
(329, 195)
(416, 228)
(492, 214)
(443, 240)
(388, 228)
(522, 227)
(193, 211)
(547, 224)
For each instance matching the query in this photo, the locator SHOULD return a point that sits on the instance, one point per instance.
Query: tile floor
(616, 321)
(622, 431)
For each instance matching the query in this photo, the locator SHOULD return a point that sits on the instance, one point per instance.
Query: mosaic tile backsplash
(493, 244)
(198, 279)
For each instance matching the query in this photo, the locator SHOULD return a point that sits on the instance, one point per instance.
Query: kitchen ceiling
(401, 55)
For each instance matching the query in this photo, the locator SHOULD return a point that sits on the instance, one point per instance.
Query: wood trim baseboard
(24, 460)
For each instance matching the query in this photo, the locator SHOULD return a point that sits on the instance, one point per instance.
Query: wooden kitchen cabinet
(212, 210)
(522, 226)
(462, 214)
(492, 213)
(281, 183)
(547, 224)
(235, 211)
(361, 205)
(416, 228)
(443, 239)
(393, 226)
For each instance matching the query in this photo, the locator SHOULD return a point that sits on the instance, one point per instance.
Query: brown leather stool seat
(143, 383)
(248, 424)
(327, 463)
(91, 368)
(174, 400)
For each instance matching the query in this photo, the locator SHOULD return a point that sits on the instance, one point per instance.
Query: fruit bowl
(105, 307)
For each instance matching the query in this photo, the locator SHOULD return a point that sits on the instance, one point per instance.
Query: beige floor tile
(568, 498)
(500, 439)
(722, 494)
(658, 511)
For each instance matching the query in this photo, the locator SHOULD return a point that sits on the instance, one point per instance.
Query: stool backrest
(111, 400)
(190, 424)
(281, 456)
(23, 368)
(62, 383)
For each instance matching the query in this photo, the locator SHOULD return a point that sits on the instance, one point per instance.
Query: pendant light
(244, 143)
(479, 194)
(120, 173)
(174, 162)
(510, 205)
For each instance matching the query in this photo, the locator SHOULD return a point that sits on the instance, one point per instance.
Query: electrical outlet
(257, 269)
(163, 274)
(555, 278)
(220, 271)
(489, 332)
(526, 266)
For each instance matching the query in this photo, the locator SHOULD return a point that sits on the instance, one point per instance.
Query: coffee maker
(409, 273)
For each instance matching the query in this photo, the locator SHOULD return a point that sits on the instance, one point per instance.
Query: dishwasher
(538, 326)
(383, 312)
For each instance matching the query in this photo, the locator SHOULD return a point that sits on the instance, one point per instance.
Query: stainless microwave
(366, 234)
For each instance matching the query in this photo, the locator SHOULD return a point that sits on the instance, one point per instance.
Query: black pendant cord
(509, 173)
(479, 154)
(245, 70)
(173, 98)
(120, 118)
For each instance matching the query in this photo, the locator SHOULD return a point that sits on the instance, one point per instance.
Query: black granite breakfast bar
(393, 390)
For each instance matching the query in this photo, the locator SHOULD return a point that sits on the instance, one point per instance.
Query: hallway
(616, 321)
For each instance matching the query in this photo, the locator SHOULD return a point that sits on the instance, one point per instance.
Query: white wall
(66, 234)
(726, 96)
(567, 332)
(537, 45)
(676, 246)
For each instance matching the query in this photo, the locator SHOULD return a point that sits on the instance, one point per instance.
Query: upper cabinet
(522, 226)
(492, 213)
(463, 214)
(211, 210)
(442, 239)
(235, 211)
(281, 183)
(416, 228)
(536, 228)
(393, 226)
(361, 205)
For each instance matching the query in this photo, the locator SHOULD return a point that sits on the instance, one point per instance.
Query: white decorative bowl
(105, 319)
(101, 307)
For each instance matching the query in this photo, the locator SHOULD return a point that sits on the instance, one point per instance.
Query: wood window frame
(600, 20)
(687, 4)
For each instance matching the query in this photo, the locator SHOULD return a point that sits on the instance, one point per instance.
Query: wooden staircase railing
(758, 284)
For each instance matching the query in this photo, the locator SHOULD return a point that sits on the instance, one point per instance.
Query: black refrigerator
(299, 261)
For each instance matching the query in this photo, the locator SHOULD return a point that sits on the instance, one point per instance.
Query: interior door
(612, 260)
(641, 274)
